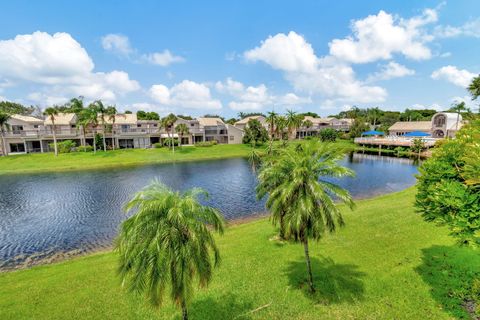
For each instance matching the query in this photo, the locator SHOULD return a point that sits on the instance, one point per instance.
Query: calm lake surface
(46, 214)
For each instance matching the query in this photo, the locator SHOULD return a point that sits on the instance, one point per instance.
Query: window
(17, 129)
(192, 124)
(35, 126)
(155, 125)
(232, 138)
(139, 125)
(17, 147)
(73, 126)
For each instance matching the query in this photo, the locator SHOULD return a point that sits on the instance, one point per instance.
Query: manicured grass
(37, 162)
(387, 263)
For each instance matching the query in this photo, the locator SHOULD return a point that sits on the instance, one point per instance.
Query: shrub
(66, 146)
(157, 145)
(168, 142)
(328, 134)
(206, 143)
(417, 146)
(448, 185)
(254, 133)
(87, 148)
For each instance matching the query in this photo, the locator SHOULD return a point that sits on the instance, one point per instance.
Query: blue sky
(223, 57)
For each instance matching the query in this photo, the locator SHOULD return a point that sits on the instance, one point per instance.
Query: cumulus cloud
(389, 71)
(119, 44)
(459, 77)
(186, 94)
(289, 53)
(310, 74)
(61, 65)
(378, 37)
(255, 98)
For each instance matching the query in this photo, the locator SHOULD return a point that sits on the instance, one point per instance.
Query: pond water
(44, 214)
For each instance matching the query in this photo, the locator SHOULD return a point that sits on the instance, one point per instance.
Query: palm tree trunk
(84, 143)
(113, 135)
(184, 310)
(4, 146)
(282, 227)
(309, 265)
(104, 142)
(94, 141)
(55, 141)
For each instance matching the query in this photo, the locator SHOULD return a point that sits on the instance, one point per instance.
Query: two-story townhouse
(242, 124)
(24, 135)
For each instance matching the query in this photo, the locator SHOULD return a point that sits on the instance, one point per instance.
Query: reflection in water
(59, 212)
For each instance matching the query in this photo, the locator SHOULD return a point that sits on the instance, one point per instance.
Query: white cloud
(61, 66)
(389, 71)
(163, 59)
(418, 106)
(378, 37)
(468, 29)
(120, 45)
(459, 77)
(45, 99)
(312, 75)
(186, 94)
(117, 43)
(255, 98)
(285, 52)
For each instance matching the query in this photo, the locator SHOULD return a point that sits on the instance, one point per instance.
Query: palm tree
(91, 119)
(77, 107)
(458, 108)
(307, 124)
(474, 89)
(280, 126)
(271, 120)
(4, 127)
(167, 123)
(51, 113)
(293, 121)
(298, 193)
(167, 244)
(182, 130)
(373, 115)
(111, 112)
(101, 111)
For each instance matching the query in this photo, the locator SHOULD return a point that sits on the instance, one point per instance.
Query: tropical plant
(299, 195)
(448, 185)
(272, 117)
(167, 244)
(307, 124)
(458, 108)
(182, 130)
(101, 112)
(76, 106)
(418, 145)
(111, 112)
(4, 127)
(65, 146)
(167, 123)
(90, 118)
(51, 113)
(328, 134)
(358, 126)
(293, 122)
(373, 114)
(474, 88)
(254, 133)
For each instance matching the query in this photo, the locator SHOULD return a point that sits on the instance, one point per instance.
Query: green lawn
(37, 162)
(385, 264)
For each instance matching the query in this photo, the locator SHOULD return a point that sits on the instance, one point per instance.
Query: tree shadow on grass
(334, 283)
(185, 150)
(224, 307)
(450, 272)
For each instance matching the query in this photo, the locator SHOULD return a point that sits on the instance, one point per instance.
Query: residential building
(443, 124)
(319, 124)
(29, 134)
(243, 123)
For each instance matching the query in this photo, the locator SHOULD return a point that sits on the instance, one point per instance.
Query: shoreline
(56, 257)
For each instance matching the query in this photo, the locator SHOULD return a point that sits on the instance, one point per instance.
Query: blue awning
(373, 133)
(417, 134)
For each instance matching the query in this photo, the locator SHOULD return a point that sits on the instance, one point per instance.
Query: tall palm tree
(458, 108)
(474, 89)
(373, 115)
(4, 127)
(181, 130)
(307, 124)
(101, 111)
(91, 119)
(111, 112)
(168, 243)
(271, 120)
(280, 126)
(294, 121)
(299, 194)
(51, 113)
(168, 122)
(76, 106)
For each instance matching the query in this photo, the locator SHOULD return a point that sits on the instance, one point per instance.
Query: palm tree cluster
(286, 126)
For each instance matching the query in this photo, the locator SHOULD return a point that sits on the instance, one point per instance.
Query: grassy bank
(43, 162)
(385, 264)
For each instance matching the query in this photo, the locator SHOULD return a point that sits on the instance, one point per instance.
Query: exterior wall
(235, 134)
